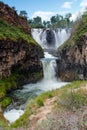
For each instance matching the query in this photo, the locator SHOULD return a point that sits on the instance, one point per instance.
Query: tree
(44, 24)
(48, 24)
(14, 8)
(23, 13)
(57, 21)
(37, 20)
(53, 19)
(67, 17)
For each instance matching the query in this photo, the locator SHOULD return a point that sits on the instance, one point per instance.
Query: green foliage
(61, 93)
(36, 22)
(72, 96)
(10, 32)
(78, 29)
(6, 85)
(23, 120)
(57, 21)
(40, 102)
(2, 91)
(23, 13)
(5, 102)
(73, 99)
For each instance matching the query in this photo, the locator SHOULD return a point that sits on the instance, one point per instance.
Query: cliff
(19, 54)
(72, 62)
(19, 57)
(10, 15)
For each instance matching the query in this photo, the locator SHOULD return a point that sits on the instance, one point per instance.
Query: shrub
(73, 99)
(5, 102)
(39, 102)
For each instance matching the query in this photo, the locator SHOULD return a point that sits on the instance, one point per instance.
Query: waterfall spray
(51, 38)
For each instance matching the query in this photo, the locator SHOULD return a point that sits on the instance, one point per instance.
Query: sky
(47, 8)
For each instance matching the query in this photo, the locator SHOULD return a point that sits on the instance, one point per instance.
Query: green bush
(5, 102)
(73, 99)
(40, 102)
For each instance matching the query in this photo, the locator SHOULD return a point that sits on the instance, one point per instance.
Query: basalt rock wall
(72, 62)
(20, 57)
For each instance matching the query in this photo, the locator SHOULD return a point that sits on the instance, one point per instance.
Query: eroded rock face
(72, 62)
(19, 56)
(22, 58)
(10, 16)
(50, 37)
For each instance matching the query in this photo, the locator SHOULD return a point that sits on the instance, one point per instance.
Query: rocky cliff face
(10, 15)
(19, 57)
(72, 62)
(50, 37)
(19, 53)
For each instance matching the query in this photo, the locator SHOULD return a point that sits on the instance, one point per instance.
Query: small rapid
(49, 82)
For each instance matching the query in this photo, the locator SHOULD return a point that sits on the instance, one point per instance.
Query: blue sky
(48, 8)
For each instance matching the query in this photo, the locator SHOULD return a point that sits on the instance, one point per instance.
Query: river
(49, 82)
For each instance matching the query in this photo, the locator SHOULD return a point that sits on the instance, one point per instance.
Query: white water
(13, 115)
(49, 82)
(60, 36)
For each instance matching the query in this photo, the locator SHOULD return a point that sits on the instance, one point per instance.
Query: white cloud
(76, 15)
(67, 5)
(83, 4)
(44, 15)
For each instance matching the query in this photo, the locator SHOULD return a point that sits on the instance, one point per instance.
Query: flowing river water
(29, 91)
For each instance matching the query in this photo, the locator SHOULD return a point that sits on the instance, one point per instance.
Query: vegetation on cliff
(13, 33)
(72, 62)
(6, 86)
(78, 29)
(19, 53)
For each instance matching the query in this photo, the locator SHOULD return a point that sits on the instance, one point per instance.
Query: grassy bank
(6, 86)
(13, 33)
(68, 96)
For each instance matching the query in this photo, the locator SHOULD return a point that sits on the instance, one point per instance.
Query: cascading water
(49, 82)
(49, 65)
(51, 38)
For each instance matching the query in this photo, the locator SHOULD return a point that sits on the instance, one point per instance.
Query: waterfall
(49, 82)
(47, 39)
(51, 38)
(49, 65)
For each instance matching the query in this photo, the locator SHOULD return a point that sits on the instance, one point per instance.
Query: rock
(0, 109)
(18, 55)
(22, 58)
(10, 16)
(72, 62)
(50, 37)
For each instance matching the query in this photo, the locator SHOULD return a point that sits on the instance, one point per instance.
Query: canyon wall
(10, 15)
(72, 62)
(19, 53)
(19, 57)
